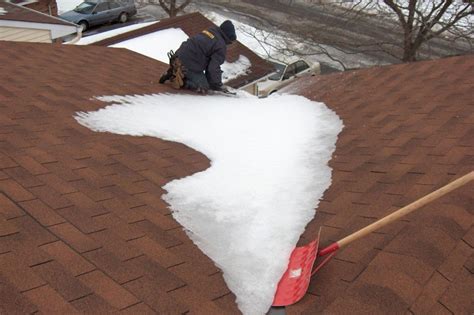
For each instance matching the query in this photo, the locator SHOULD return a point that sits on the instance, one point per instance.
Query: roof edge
(161, 24)
(59, 21)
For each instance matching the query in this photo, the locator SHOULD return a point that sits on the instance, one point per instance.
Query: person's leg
(196, 81)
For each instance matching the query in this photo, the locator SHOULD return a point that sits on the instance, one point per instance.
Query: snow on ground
(67, 5)
(270, 44)
(245, 36)
(98, 37)
(268, 171)
(378, 7)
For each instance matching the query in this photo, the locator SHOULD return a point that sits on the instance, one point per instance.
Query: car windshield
(279, 72)
(85, 7)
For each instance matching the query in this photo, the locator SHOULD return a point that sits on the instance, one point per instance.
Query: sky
(269, 168)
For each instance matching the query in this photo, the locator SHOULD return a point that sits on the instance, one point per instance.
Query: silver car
(97, 12)
(285, 74)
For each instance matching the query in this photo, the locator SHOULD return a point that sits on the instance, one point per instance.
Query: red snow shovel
(295, 281)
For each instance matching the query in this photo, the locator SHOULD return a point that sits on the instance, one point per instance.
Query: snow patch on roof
(233, 70)
(98, 37)
(155, 45)
(268, 171)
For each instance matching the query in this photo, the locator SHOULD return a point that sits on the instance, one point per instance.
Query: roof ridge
(159, 25)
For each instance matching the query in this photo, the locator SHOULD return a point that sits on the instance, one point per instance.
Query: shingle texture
(409, 129)
(193, 24)
(83, 228)
(82, 225)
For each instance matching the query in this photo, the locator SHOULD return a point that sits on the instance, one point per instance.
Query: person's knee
(196, 81)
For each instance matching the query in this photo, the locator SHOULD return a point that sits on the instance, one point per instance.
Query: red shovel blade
(295, 281)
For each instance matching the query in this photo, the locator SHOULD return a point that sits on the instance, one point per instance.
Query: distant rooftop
(13, 12)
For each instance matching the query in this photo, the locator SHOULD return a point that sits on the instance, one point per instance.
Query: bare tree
(281, 47)
(363, 32)
(404, 29)
(421, 21)
(173, 7)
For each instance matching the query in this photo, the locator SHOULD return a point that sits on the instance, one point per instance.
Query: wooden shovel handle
(399, 213)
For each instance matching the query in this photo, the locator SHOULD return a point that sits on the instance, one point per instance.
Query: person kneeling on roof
(196, 65)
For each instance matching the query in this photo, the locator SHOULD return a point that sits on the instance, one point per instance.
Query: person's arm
(213, 71)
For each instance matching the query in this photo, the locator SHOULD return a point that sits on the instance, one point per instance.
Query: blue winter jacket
(205, 52)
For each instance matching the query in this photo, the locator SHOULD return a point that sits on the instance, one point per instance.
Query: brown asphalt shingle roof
(83, 228)
(193, 24)
(24, 14)
(82, 225)
(409, 129)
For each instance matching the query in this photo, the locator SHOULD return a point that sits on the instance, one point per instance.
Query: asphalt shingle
(77, 206)
(406, 134)
(82, 225)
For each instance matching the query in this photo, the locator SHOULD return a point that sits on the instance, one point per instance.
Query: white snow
(98, 37)
(232, 70)
(155, 45)
(67, 5)
(245, 35)
(270, 45)
(268, 171)
(378, 7)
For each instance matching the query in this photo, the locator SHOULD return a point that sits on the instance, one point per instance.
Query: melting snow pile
(268, 170)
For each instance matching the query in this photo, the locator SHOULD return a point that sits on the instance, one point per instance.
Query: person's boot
(177, 78)
(168, 75)
(165, 76)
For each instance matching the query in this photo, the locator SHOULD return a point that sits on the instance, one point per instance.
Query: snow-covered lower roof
(155, 45)
(192, 24)
(104, 35)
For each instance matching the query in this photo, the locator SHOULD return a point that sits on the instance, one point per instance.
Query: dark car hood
(72, 16)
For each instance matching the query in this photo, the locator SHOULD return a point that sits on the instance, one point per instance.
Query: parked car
(97, 12)
(285, 74)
